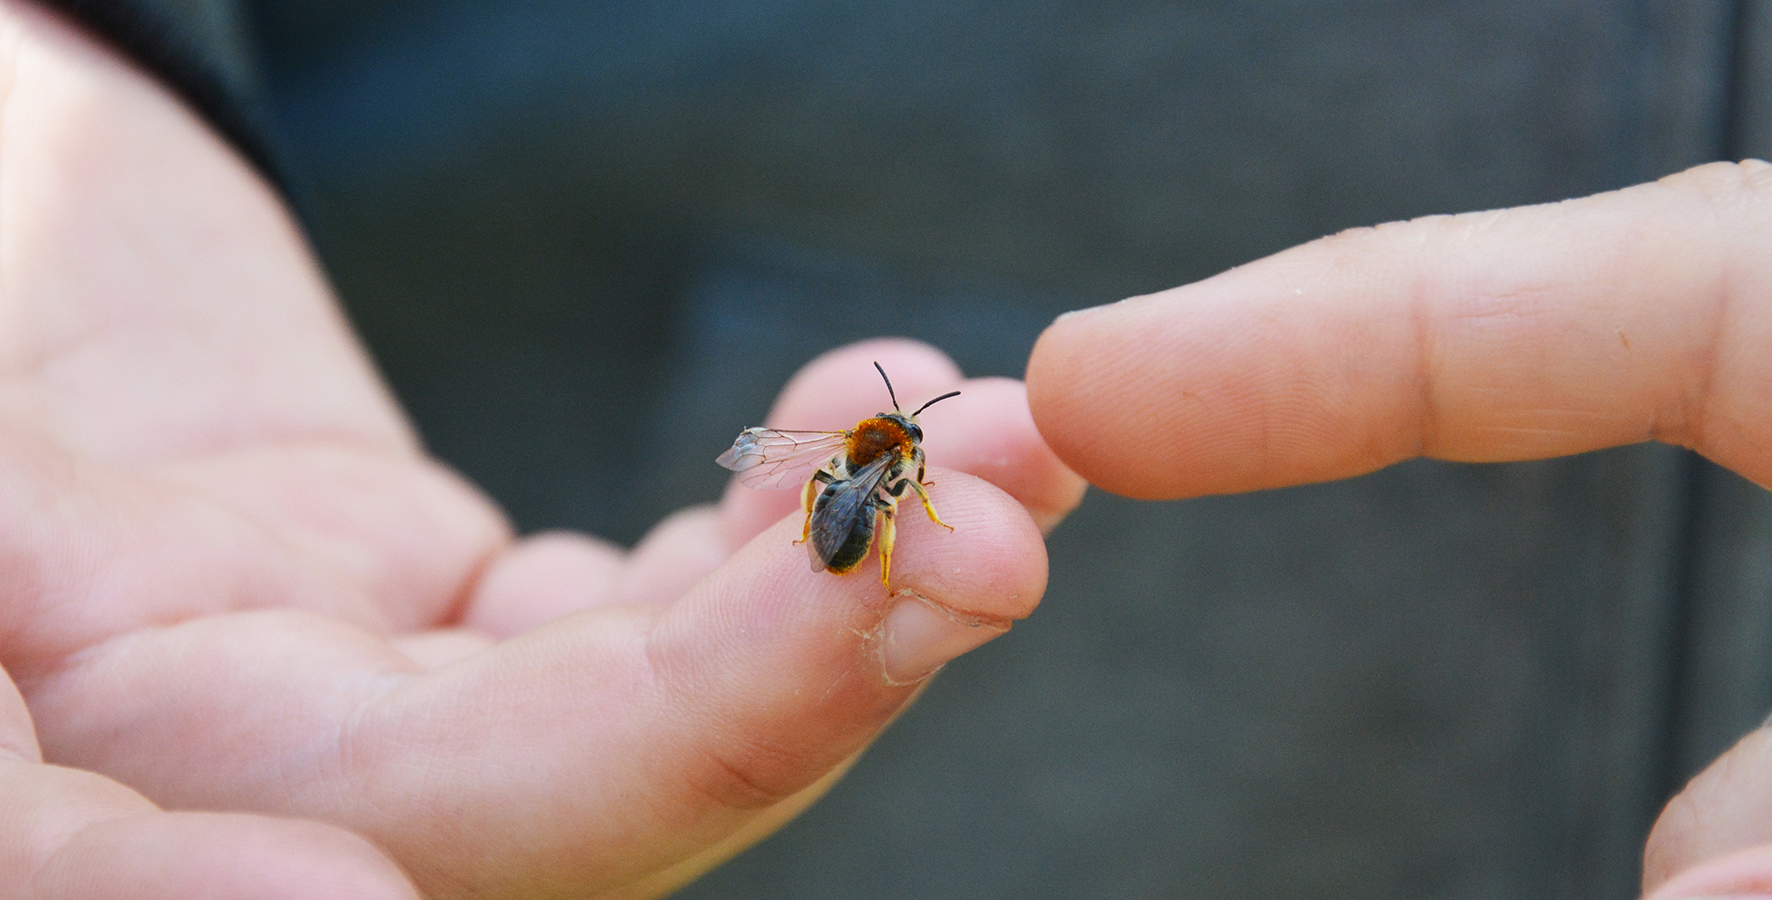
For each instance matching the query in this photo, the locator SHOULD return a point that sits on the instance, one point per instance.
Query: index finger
(1640, 314)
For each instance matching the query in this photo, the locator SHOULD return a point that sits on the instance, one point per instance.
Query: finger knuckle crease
(749, 776)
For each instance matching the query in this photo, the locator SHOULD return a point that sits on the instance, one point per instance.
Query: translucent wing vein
(769, 460)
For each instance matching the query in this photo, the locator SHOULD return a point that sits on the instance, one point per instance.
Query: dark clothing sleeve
(198, 48)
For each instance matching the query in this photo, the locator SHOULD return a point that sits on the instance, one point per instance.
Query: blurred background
(587, 241)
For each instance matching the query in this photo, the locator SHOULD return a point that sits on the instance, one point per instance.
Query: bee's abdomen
(854, 549)
(841, 527)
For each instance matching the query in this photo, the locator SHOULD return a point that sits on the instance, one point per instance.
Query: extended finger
(1634, 315)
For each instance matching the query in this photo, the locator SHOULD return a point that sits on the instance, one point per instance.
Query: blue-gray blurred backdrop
(588, 240)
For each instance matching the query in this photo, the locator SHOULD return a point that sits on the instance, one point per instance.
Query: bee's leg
(887, 533)
(808, 494)
(928, 507)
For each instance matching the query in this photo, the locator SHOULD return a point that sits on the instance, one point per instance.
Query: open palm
(235, 583)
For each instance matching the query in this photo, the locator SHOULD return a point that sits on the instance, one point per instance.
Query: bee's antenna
(933, 402)
(889, 392)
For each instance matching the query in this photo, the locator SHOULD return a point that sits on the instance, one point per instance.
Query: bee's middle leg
(923, 495)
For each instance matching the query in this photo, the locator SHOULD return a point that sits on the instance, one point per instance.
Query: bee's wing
(843, 507)
(770, 460)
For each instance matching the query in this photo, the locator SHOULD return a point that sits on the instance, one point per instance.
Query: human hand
(73, 835)
(235, 583)
(1642, 314)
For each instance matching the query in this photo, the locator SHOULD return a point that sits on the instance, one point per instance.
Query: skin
(1637, 315)
(236, 584)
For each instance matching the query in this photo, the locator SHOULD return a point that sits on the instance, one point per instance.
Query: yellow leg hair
(929, 507)
(887, 533)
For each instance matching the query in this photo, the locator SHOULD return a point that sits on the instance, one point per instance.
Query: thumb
(620, 743)
(1714, 839)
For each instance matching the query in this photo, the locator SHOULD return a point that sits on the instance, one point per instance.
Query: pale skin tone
(1639, 315)
(236, 584)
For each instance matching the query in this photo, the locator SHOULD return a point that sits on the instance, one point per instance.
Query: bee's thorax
(889, 433)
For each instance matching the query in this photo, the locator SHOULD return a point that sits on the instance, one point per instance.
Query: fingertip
(812, 664)
(989, 432)
(992, 564)
(830, 393)
(841, 386)
(957, 596)
(1109, 386)
(991, 567)
(920, 636)
(1299, 367)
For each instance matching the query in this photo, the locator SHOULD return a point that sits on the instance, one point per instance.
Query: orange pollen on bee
(875, 436)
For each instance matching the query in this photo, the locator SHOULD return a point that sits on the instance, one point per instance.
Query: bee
(852, 497)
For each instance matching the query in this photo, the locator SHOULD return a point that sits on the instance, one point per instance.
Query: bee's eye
(916, 434)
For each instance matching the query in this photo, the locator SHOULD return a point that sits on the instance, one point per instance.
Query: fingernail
(919, 637)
